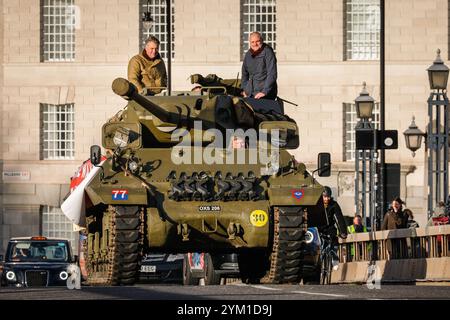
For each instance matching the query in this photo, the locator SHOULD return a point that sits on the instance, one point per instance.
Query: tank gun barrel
(128, 91)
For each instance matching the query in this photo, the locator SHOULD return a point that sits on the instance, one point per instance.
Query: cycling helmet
(326, 191)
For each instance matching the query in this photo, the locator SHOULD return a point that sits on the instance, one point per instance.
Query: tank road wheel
(114, 243)
(289, 229)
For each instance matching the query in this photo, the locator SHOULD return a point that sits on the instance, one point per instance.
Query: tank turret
(218, 111)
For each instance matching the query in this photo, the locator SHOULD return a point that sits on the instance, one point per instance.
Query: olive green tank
(202, 171)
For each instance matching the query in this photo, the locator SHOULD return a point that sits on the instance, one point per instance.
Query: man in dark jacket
(259, 70)
(335, 220)
(395, 217)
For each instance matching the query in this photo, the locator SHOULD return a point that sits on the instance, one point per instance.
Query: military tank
(157, 192)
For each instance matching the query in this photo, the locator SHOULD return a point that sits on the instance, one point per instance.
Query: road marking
(265, 288)
(256, 286)
(321, 294)
(303, 292)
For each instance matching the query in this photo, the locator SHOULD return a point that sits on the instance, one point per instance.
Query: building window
(362, 34)
(159, 29)
(350, 121)
(55, 224)
(258, 15)
(57, 30)
(57, 132)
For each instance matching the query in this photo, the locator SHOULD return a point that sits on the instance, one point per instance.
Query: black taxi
(36, 262)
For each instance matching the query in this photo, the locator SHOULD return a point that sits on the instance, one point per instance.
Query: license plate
(148, 268)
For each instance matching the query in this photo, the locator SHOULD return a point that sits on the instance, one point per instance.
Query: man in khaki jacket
(147, 69)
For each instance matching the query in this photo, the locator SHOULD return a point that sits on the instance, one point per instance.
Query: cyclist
(329, 233)
(335, 220)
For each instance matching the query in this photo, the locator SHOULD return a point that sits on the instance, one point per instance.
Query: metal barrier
(428, 242)
(398, 255)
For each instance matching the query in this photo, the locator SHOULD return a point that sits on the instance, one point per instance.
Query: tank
(174, 181)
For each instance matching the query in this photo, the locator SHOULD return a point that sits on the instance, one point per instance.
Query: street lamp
(438, 73)
(437, 135)
(364, 104)
(413, 137)
(147, 20)
(367, 134)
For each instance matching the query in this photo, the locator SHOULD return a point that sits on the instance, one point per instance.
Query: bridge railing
(427, 242)
(397, 255)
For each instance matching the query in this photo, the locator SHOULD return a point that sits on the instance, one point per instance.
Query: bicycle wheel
(325, 273)
(330, 269)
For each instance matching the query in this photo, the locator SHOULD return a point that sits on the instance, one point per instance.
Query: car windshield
(34, 251)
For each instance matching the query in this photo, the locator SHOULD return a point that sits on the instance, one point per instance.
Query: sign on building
(16, 175)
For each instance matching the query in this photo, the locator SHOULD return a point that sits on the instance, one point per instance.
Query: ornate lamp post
(364, 110)
(437, 134)
(413, 137)
(364, 104)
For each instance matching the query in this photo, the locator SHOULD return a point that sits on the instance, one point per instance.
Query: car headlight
(309, 237)
(63, 275)
(11, 276)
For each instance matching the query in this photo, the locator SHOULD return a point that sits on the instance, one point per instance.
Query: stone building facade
(313, 70)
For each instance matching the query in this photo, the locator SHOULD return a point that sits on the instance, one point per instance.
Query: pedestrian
(259, 70)
(395, 217)
(147, 70)
(357, 227)
(438, 214)
(410, 223)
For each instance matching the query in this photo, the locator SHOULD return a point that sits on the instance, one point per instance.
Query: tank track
(283, 262)
(121, 231)
(290, 226)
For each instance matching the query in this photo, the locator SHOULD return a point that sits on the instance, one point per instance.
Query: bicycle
(327, 255)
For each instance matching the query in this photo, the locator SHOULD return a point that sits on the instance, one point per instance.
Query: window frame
(268, 35)
(51, 121)
(57, 40)
(369, 36)
(349, 135)
(58, 219)
(158, 13)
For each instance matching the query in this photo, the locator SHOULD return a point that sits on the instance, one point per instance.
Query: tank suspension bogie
(204, 187)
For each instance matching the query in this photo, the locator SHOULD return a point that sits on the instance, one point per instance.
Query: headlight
(309, 237)
(11, 276)
(63, 275)
(133, 166)
(121, 137)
